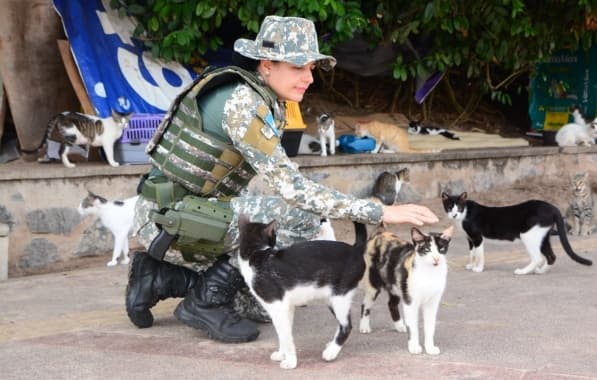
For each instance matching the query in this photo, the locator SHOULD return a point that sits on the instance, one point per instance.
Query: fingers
(409, 213)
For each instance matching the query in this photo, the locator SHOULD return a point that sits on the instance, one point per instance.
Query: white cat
(327, 133)
(326, 231)
(117, 216)
(578, 132)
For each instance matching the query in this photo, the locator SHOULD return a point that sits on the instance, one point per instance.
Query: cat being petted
(388, 185)
(286, 278)
(117, 216)
(392, 137)
(529, 221)
(73, 128)
(414, 274)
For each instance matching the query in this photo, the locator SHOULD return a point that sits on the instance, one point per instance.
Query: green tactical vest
(200, 162)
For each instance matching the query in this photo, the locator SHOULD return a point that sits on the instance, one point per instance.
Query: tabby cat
(581, 206)
(387, 135)
(73, 128)
(290, 277)
(388, 185)
(415, 271)
(529, 221)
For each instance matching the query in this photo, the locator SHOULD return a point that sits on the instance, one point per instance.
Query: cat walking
(117, 216)
(529, 221)
(414, 273)
(286, 278)
(72, 128)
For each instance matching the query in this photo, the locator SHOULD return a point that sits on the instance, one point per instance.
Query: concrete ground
(491, 325)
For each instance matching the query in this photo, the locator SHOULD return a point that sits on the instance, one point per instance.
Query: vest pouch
(199, 225)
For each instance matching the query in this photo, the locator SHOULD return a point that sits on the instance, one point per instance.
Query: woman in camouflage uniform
(285, 52)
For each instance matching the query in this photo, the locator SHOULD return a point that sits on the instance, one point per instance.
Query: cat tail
(449, 135)
(565, 243)
(360, 240)
(42, 144)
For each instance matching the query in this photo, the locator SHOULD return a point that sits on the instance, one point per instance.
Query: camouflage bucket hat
(287, 39)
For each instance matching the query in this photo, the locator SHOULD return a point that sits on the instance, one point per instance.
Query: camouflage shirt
(281, 174)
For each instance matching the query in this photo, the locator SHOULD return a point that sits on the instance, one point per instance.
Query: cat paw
(331, 351)
(520, 271)
(477, 269)
(125, 261)
(277, 356)
(468, 266)
(114, 164)
(432, 350)
(400, 326)
(364, 327)
(289, 362)
(111, 263)
(414, 348)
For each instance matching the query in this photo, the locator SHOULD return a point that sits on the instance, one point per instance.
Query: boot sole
(191, 320)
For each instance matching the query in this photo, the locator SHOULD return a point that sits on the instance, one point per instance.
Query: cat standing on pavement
(286, 278)
(117, 216)
(327, 133)
(581, 205)
(73, 128)
(579, 132)
(415, 271)
(388, 185)
(390, 136)
(529, 221)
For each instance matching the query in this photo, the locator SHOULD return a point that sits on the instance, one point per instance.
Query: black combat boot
(209, 305)
(151, 280)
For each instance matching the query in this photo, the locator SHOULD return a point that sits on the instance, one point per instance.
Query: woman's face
(288, 81)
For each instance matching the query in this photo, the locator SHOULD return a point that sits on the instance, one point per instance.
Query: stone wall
(39, 201)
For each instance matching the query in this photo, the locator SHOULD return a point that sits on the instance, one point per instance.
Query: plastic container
(130, 148)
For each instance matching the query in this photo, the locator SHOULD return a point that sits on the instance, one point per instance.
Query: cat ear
(447, 233)
(270, 230)
(463, 197)
(417, 235)
(445, 196)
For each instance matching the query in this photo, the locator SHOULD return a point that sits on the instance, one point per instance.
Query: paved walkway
(491, 325)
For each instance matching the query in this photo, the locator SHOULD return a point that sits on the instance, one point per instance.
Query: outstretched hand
(408, 213)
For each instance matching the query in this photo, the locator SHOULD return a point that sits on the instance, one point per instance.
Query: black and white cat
(72, 128)
(327, 133)
(415, 128)
(117, 216)
(388, 185)
(417, 271)
(286, 278)
(529, 221)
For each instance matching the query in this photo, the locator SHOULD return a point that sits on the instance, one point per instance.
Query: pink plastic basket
(141, 128)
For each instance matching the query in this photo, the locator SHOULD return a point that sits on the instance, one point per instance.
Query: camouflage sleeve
(279, 172)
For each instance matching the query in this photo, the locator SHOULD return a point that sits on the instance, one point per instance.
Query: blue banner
(115, 70)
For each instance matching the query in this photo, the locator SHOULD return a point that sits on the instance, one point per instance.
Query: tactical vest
(198, 161)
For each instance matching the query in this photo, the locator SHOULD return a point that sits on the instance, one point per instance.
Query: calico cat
(117, 216)
(579, 132)
(391, 136)
(327, 133)
(415, 128)
(581, 206)
(73, 128)
(415, 271)
(388, 185)
(530, 221)
(286, 278)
